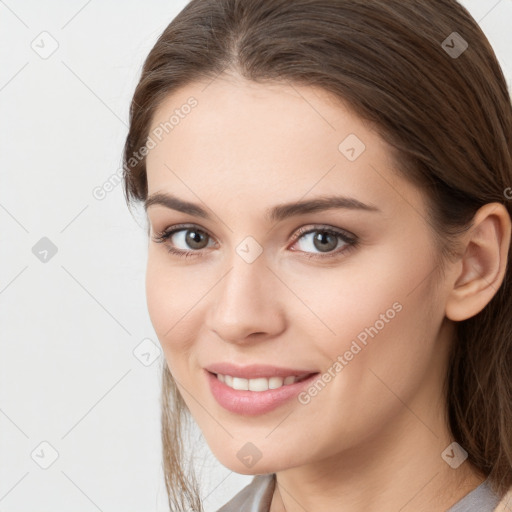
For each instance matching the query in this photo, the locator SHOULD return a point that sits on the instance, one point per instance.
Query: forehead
(261, 140)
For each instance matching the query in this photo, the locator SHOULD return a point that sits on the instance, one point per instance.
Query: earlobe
(483, 266)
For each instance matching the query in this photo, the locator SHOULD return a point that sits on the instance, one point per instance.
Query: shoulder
(256, 496)
(505, 505)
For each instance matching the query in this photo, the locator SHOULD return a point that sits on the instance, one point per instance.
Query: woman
(327, 187)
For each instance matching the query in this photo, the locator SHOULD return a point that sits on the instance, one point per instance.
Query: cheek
(168, 298)
(157, 291)
(369, 289)
(175, 296)
(377, 314)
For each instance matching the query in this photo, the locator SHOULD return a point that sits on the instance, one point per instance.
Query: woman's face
(254, 290)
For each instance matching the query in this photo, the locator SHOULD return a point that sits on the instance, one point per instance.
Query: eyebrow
(274, 214)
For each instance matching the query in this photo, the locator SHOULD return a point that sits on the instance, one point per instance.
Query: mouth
(256, 396)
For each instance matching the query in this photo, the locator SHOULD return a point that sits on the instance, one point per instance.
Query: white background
(69, 326)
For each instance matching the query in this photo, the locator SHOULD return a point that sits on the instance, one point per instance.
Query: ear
(482, 268)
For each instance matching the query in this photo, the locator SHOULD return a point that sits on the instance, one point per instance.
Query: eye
(325, 240)
(186, 236)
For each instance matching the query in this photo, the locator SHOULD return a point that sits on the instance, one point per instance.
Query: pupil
(194, 238)
(323, 237)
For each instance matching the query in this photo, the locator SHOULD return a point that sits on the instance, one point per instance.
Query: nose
(246, 303)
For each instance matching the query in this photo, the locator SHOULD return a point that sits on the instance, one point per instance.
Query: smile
(259, 384)
(259, 395)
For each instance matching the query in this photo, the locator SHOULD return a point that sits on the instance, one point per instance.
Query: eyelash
(351, 241)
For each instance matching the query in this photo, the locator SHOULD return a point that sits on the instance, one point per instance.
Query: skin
(372, 438)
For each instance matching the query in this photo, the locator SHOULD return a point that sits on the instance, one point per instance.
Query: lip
(255, 371)
(253, 403)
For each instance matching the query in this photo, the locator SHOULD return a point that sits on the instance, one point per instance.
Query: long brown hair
(444, 109)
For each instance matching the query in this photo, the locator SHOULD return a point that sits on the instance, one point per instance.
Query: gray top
(257, 496)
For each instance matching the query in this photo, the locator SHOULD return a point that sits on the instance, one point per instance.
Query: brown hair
(447, 117)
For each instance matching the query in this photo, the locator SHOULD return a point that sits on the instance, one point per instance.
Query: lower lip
(252, 403)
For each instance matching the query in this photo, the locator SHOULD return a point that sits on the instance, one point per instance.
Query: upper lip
(255, 371)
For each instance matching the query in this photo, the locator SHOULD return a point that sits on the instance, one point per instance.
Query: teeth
(260, 384)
